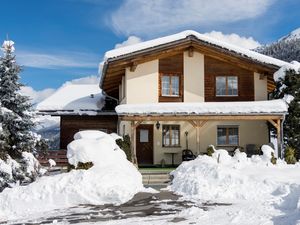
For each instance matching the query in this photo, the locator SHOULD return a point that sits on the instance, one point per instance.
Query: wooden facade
(71, 124)
(114, 68)
(214, 67)
(172, 65)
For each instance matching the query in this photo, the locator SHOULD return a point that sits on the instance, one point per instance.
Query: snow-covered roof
(183, 35)
(205, 108)
(74, 98)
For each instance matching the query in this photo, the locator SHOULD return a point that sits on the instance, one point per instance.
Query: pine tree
(18, 124)
(289, 85)
(17, 140)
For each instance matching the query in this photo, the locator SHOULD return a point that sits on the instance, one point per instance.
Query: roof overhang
(250, 110)
(114, 68)
(76, 113)
(211, 117)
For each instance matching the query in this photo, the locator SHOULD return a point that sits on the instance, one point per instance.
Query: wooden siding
(69, 125)
(214, 67)
(114, 69)
(171, 65)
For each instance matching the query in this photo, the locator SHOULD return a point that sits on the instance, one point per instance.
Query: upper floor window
(226, 86)
(170, 85)
(228, 135)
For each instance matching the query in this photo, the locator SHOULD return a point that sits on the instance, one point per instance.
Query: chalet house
(181, 88)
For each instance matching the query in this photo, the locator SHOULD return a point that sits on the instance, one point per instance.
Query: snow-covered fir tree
(288, 88)
(20, 124)
(17, 141)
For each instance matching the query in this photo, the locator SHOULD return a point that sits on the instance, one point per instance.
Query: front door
(144, 144)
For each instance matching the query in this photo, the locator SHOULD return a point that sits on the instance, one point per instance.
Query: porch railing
(59, 156)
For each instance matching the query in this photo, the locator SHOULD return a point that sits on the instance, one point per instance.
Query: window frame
(170, 75)
(226, 86)
(227, 127)
(170, 136)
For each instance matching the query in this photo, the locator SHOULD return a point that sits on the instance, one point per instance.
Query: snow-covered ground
(215, 190)
(112, 179)
(260, 192)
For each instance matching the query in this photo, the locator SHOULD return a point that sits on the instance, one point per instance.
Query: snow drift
(230, 179)
(112, 179)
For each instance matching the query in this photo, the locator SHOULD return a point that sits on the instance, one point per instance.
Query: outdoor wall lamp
(157, 125)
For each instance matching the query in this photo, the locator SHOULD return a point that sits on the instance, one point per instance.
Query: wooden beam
(273, 123)
(200, 117)
(191, 51)
(198, 139)
(133, 66)
(279, 137)
(133, 143)
(192, 123)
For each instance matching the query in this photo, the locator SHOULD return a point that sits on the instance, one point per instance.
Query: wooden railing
(59, 156)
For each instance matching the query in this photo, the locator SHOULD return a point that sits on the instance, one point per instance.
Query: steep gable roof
(118, 59)
(115, 53)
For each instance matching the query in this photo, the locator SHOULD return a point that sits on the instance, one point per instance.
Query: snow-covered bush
(13, 172)
(125, 144)
(111, 180)
(289, 155)
(210, 150)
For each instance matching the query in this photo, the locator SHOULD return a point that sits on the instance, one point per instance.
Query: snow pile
(231, 179)
(111, 179)
(205, 108)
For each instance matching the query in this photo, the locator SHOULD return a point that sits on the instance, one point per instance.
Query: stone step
(160, 176)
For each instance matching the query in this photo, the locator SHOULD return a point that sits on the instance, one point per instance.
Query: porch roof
(73, 99)
(271, 107)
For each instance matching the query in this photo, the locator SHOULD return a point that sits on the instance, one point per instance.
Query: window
(144, 135)
(171, 135)
(228, 136)
(226, 86)
(170, 85)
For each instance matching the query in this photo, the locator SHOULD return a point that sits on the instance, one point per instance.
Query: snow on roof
(205, 108)
(280, 74)
(182, 35)
(74, 97)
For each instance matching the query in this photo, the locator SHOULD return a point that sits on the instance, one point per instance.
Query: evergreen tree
(17, 140)
(289, 85)
(19, 123)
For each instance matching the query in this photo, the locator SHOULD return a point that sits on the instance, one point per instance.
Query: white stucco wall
(260, 88)
(208, 136)
(142, 84)
(193, 77)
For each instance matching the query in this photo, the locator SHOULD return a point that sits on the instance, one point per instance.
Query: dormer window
(226, 86)
(170, 85)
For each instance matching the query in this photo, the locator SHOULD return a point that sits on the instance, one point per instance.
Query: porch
(158, 137)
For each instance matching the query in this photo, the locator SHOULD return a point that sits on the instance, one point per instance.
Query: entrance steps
(156, 178)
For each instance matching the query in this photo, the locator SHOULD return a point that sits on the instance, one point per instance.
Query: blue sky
(61, 40)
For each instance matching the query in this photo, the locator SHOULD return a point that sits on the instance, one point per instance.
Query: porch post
(198, 139)
(277, 125)
(133, 143)
(278, 129)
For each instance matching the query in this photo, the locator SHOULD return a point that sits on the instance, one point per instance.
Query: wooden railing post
(134, 125)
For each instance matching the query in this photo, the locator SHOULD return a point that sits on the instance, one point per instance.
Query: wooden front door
(144, 144)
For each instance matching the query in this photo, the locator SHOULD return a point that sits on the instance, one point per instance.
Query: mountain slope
(286, 48)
